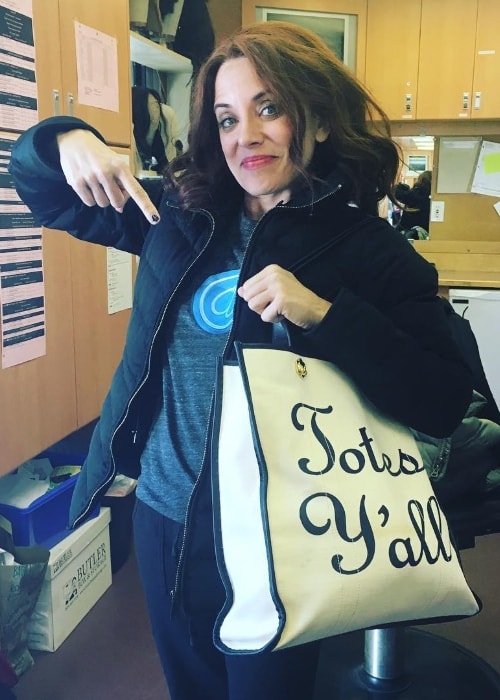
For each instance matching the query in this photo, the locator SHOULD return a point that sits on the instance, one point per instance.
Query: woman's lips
(255, 162)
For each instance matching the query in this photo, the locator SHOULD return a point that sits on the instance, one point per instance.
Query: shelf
(152, 55)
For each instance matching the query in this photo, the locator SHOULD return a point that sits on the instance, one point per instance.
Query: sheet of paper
(119, 271)
(457, 160)
(487, 175)
(97, 68)
(18, 95)
(22, 286)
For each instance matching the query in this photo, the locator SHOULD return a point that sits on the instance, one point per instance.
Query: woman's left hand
(274, 293)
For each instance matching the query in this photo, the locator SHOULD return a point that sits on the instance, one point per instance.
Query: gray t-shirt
(200, 318)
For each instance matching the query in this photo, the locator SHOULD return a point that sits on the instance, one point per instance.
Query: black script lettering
(384, 512)
(358, 456)
(365, 529)
(413, 461)
(386, 460)
(414, 555)
(365, 442)
(318, 434)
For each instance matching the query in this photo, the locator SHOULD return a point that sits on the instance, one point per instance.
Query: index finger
(130, 185)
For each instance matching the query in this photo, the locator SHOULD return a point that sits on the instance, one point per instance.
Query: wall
(353, 7)
(225, 16)
(467, 216)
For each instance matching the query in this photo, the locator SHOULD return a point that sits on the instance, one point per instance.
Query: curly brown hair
(303, 75)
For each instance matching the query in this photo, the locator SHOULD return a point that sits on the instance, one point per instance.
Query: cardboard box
(78, 573)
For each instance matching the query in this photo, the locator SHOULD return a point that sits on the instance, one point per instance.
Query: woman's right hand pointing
(98, 175)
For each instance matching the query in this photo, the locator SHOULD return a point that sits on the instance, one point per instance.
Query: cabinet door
(392, 50)
(110, 18)
(38, 398)
(98, 336)
(486, 92)
(447, 42)
(47, 57)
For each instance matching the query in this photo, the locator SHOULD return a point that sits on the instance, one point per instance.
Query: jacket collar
(307, 197)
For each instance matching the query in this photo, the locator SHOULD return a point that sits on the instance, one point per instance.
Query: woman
(416, 201)
(283, 156)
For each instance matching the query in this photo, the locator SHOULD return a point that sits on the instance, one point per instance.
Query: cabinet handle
(477, 100)
(465, 100)
(70, 105)
(56, 103)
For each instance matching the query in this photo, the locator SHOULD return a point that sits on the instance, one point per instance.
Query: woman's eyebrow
(256, 98)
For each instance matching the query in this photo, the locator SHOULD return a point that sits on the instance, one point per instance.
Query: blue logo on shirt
(213, 302)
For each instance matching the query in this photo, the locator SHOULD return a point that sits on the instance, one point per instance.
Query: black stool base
(435, 669)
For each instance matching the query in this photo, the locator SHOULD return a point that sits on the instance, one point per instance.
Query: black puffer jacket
(386, 327)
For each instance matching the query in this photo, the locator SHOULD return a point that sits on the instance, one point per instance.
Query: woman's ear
(322, 133)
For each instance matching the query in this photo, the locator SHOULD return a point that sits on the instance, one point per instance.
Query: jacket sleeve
(41, 184)
(388, 331)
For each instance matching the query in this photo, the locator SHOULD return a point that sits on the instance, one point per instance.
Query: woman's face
(256, 138)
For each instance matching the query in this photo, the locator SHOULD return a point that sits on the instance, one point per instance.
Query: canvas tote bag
(325, 518)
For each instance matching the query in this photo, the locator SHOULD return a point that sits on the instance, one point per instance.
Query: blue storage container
(45, 520)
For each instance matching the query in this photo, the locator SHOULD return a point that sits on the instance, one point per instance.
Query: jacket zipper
(104, 486)
(229, 340)
(174, 590)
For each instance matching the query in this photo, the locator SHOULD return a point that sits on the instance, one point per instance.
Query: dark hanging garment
(195, 36)
(166, 7)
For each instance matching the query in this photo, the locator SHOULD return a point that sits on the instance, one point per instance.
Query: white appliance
(481, 308)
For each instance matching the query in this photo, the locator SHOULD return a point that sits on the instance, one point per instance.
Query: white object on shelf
(153, 55)
(171, 20)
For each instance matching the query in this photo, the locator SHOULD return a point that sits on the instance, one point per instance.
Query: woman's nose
(250, 131)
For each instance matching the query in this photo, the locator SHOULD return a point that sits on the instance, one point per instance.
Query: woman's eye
(226, 122)
(269, 110)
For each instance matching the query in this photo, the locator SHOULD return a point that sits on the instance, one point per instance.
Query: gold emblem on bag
(300, 367)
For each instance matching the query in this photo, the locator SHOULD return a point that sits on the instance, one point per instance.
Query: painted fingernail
(155, 218)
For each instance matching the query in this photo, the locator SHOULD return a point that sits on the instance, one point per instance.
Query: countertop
(469, 278)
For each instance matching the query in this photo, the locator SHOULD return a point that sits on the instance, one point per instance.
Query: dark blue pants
(193, 667)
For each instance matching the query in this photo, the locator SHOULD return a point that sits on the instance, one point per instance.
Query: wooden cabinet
(38, 398)
(446, 65)
(392, 52)
(47, 56)
(55, 27)
(459, 60)
(97, 337)
(434, 60)
(45, 399)
(485, 88)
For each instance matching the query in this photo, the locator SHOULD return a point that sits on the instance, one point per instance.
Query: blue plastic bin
(45, 520)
